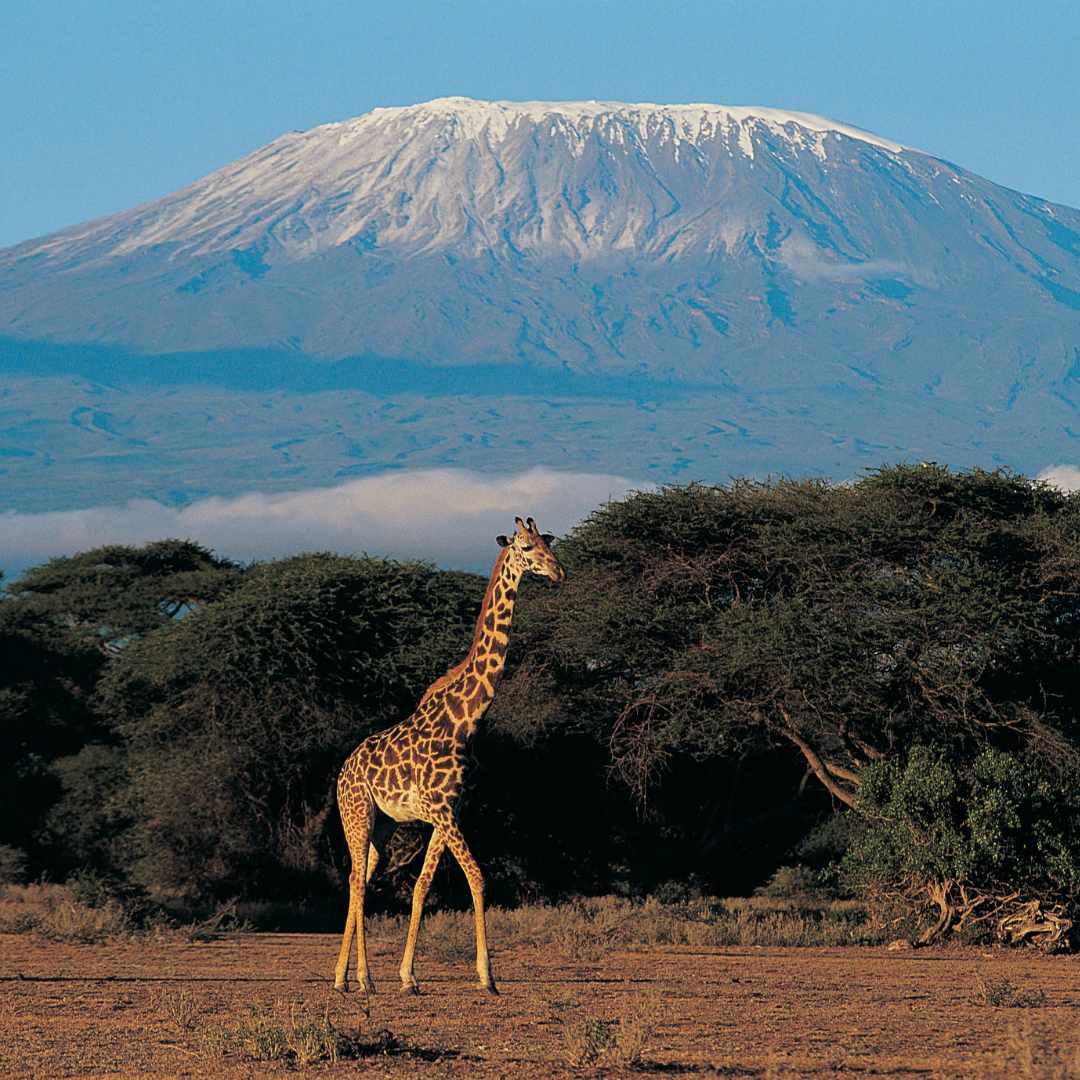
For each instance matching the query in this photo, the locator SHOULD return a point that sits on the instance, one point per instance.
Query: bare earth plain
(102, 1010)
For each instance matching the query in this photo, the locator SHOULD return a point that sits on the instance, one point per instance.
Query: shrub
(994, 840)
(1001, 993)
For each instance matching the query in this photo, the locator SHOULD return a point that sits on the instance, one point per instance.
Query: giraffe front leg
(436, 846)
(456, 842)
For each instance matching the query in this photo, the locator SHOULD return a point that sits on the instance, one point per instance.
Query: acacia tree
(60, 626)
(235, 720)
(848, 623)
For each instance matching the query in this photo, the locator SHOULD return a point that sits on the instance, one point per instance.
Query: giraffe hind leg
(357, 810)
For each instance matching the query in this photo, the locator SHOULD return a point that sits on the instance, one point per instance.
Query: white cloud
(809, 262)
(1065, 477)
(447, 516)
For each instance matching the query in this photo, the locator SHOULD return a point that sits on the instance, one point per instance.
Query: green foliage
(996, 820)
(236, 718)
(110, 594)
(60, 624)
(915, 603)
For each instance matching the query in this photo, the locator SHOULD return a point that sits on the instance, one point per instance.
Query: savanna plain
(601, 987)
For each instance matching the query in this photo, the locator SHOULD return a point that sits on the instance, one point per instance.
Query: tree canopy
(847, 623)
(909, 641)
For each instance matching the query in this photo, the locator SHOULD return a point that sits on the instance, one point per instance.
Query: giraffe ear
(548, 539)
(502, 541)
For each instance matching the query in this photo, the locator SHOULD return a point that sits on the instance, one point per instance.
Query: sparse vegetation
(591, 1040)
(81, 912)
(180, 1007)
(1002, 993)
(150, 1008)
(585, 930)
(55, 913)
(301, 1035)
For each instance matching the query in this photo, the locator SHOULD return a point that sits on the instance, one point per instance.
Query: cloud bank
(1065, 477)
(446, 516)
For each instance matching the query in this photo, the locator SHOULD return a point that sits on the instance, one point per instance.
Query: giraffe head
(530, 550)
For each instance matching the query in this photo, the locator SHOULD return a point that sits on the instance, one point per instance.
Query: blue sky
(108, 103)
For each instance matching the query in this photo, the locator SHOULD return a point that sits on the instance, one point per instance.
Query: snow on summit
(738, 246)
(691, 122)
(578, 178)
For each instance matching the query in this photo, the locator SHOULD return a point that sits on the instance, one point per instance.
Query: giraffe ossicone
(414, 771)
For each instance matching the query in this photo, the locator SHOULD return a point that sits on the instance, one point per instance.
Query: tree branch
(839, 771)
(821, 771)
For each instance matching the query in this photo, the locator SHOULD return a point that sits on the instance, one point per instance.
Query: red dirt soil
(92, 1010)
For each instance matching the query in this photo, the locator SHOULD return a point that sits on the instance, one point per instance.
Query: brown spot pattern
(418, 766)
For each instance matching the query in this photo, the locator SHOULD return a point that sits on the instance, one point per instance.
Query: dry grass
(585, 930)
(54, 913)
(180, 1007)
(292, 1034)
(62, 913)
(582, 930)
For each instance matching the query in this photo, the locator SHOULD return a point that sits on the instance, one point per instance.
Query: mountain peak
(689, 122)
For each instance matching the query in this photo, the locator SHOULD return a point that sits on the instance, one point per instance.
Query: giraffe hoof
(491, 988)
(341, 987)
(410, 988)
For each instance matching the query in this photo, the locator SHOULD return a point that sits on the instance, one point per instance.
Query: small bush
(179, 1007)
(222, 922)
(299, 1038)
(448, 936)
(936, 823)
(678, 892)
(591, 1040)
(788, 882)
(1002, 993)
(587, 1038)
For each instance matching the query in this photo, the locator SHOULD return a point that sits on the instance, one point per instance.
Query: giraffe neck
(496, 613)
(470, 686)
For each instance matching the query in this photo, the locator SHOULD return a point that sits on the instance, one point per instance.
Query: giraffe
(414, 770)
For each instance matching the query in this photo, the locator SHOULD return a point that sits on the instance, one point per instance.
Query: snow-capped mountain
(699, 242)
(647, 291)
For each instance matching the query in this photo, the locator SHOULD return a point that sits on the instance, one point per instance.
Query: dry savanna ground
(602, 990)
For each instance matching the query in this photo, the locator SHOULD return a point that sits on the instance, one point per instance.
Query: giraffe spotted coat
(415, 770)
